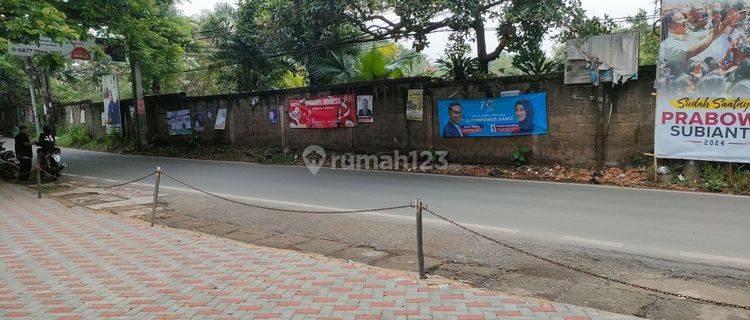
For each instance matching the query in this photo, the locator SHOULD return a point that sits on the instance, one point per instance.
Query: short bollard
(420, 252)
(156, 195)
(38, 183)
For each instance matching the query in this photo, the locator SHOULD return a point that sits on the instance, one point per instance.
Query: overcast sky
(615, 9)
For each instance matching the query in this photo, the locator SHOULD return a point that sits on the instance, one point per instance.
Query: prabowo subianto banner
(703, 81)
(519, 115)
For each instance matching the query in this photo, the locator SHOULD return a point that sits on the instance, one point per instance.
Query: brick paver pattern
(71, 263)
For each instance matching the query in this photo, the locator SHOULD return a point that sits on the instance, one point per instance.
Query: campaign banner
(323, 112)
(524, 114)
(179, 122)
(703, 82)
(111, 91)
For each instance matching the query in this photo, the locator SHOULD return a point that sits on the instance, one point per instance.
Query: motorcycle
(51, 162)
(9, 164)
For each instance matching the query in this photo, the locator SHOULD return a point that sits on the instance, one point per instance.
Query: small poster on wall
(200, 121)
(179, 122)
(415, 105)
(273, 116)
(221, 120)
(83, 116)
(364, 109)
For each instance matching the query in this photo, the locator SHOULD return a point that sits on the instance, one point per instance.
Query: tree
(650, 38)
(520, 23)
(25, 21)
(241, 43)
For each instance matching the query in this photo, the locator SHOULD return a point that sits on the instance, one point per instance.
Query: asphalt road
(710, 228)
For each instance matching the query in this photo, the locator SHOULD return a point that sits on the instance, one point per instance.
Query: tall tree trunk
(484, 64)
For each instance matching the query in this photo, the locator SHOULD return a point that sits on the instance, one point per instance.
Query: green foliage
(25, 21)
(377, 63)
(73, 136)
(581, 26)
(114, 142)
(14, 86)
(535, 61)
(503, 66)
(650, 38)
(714, 178)
(458, 66)
(740, 180)
(519, 156)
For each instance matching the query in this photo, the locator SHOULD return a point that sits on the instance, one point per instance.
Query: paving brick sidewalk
(71, 263)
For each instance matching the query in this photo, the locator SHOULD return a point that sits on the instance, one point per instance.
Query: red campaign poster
(323, 112)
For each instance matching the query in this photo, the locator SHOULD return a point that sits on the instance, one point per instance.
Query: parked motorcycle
(51, 162)
(9, 164)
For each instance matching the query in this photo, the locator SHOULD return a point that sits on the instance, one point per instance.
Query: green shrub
(73, 136)
(519, 156)
(714, 178)
(740, 180)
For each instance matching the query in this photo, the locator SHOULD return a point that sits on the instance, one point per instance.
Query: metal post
(420, 252)
(38, 183)
(156, 195)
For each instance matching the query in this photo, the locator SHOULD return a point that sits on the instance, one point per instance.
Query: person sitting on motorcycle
(23, 152)
(46, 142)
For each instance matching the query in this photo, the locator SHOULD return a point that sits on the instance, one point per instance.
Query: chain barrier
(411, 205)
(584, 271)
(124, 183)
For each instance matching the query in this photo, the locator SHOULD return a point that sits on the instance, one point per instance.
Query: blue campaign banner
(520, 115)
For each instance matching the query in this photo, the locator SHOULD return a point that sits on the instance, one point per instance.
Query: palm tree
(377, 63)
(536, 62)
(458, 66)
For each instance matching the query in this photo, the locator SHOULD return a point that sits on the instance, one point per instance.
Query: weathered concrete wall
(572, 118)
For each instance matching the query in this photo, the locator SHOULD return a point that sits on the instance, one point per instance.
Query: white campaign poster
(221, 120)
(704, 96)
(364, 109)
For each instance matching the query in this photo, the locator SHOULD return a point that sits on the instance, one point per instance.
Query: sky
(615, 9)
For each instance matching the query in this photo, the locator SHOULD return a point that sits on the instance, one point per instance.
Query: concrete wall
(572, 118)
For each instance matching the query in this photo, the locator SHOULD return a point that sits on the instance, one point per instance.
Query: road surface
(707, 227)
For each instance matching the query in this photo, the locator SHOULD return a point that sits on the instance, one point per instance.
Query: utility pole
(49, 108)
(32, 89)
(140, 105)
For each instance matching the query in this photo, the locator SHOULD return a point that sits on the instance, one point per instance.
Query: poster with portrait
(179, 122)
(364, 109)
(273, 116)
(200, 121)
(703, 82)
(415, 105)
(221, 120)
(524, 114)
(111, 100)
(323, 112)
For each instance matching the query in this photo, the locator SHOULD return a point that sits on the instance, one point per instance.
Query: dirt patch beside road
(389, 242)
